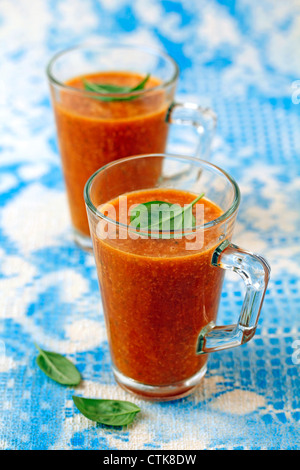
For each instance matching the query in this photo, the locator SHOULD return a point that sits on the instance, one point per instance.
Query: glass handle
(255, 271)
(204, 120)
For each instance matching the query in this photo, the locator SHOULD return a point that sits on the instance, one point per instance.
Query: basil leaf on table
(110, 89)
(58, 367)
(109, 412)
(177, 216)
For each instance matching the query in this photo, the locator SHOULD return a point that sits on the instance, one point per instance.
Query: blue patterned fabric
(242, 59)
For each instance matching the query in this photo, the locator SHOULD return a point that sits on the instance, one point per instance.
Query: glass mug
(161, 296)
(94, 130)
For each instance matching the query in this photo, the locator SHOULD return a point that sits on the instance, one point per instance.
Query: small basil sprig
(114, 89)
(58, 367)
(163, 212)
(109, 412)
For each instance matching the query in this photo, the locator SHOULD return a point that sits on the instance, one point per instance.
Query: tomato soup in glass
(97, 127)
(161, 289)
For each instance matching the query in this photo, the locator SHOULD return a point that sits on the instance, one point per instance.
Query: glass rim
(152, 50)
(223, 217)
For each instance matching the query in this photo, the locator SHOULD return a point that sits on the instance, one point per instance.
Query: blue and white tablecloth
(239, 57)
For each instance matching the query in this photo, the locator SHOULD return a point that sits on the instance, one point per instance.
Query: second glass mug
(93, 131)
(161, 298)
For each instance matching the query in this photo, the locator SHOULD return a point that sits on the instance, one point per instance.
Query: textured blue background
(239, 57)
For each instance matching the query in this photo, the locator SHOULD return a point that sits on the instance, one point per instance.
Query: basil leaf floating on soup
(160, 215)
(106, 88)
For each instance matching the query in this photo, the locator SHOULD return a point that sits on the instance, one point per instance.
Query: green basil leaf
(109, 412)
(141, 85)
(58, 367)
(107, 88)
(157, 215)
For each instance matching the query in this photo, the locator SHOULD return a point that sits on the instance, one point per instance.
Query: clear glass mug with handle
(161, 293)
(95, 128)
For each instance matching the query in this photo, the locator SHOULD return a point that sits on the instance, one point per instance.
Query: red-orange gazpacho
(157, 296)
(93, 132)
